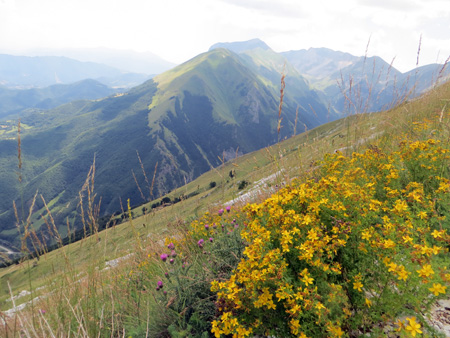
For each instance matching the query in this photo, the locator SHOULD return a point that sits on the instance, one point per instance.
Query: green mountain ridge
(183, 122)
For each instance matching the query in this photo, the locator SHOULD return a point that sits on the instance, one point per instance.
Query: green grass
(291, 158)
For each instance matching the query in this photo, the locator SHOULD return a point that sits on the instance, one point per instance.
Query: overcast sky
(178, 30)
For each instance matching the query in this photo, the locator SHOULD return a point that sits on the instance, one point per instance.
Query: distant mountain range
(24, 72)
(124, 60)
(25, 101)
(214, 107)
(357, 84)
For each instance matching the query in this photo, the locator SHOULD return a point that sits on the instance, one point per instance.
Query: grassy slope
(215, 92)
(290, 158)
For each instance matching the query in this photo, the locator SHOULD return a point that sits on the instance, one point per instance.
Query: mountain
(268, 64)
(352, 84)
(125, 60)
(13, 101)
(183, 122)
(21, 72)
(319, 63)
(241, 46)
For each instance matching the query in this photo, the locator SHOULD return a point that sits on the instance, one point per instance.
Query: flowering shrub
(359, 245)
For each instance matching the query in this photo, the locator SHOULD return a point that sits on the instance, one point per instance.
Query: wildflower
(211, 239)
(402, 274)
(437, 234)
(171, 246)
(228, 208)
(422, 215)
(200, 242)
(307, 280)
(437, 289)
(173, 253)
(368, 302)
(171, 261)
(400, 206)
(206, 226)
(164, 257)
(357, 286)
(425, 271)
(413, 327)
(220, 212)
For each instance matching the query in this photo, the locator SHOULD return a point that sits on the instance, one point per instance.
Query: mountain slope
(183, 122)
(268, 65)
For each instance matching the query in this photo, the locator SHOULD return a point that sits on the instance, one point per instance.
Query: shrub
(242, 184)
(360, 244)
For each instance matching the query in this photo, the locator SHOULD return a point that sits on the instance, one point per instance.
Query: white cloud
(178, 30)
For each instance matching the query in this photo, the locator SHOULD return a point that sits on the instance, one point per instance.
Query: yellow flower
(307, 280)
(243, 332)
(400, 206)
(389, 243)
(366, 235)
(402, 274)
(407, 239)
(437, 234)
(413, 327)
(307, 219)
(425, 271)
(368, 303)
(295, 325)
(437, 289)
(422, 215)
(357, 286)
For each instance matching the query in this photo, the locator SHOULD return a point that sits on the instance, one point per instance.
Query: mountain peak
(241, 46)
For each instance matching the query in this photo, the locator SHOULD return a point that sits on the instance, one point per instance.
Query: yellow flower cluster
(315, 248)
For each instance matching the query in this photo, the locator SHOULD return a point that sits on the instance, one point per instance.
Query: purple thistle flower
(172, 261)
(171, 246)
(164, 257)
(220, 212)
(211, 239)
(200, 243)
(228, 208)
(160, 284)
(206, 226)
(173, 253)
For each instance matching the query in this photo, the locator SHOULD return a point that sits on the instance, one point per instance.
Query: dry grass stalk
(137, 184)
(280, 107)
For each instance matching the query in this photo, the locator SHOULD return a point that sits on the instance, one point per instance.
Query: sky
(178, 30)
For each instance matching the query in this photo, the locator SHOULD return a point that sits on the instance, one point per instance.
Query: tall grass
(143, 293)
